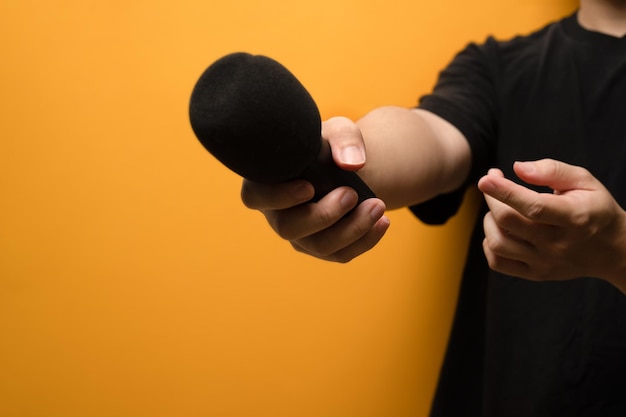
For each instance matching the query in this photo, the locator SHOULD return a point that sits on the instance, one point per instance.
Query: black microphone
(255, 117)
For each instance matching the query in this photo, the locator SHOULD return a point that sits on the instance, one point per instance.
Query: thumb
(557, 175)
(346, 142)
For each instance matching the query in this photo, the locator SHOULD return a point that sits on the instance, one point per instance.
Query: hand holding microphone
(256, 118)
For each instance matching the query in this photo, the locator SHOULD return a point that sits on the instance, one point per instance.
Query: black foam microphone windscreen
(255, 117)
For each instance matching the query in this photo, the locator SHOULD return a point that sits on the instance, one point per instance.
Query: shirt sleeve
(465, 95)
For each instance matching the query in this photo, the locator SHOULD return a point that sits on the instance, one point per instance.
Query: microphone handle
(325, 176)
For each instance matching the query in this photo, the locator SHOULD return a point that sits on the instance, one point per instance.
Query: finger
(308, 219)
(517, 225)
(557, 175)
(364, 244)
(346, 142)
(506, 266)
(351, 236)
(540, 207)
(275, 196)
(505, 216)
(504, 244)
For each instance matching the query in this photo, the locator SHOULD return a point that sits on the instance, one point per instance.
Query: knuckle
(359, 229)
(555, 167)
(583, 172)
(341, 130)
(559, 249)
(505, 218)
(581, 219)
(494, 244)
(536, 209)
(492, 259)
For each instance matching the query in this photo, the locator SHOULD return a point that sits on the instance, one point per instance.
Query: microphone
(257, 119)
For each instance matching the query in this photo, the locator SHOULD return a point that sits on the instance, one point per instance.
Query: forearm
(412, 155)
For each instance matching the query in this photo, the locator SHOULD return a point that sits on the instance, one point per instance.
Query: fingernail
(377, 212)
(348, 199)
(352, 155)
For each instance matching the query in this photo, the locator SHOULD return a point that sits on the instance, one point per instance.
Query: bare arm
(412, 155)
(406, 156)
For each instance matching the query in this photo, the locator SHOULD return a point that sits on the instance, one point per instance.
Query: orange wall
(132, 280)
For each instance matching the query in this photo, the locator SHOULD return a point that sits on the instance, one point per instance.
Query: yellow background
(132, 280)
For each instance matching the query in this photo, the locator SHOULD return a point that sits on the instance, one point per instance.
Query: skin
(604, 16)
(408, 156)
(578, 230)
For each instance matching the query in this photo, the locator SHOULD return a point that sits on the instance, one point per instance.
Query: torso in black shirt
(522, 348)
